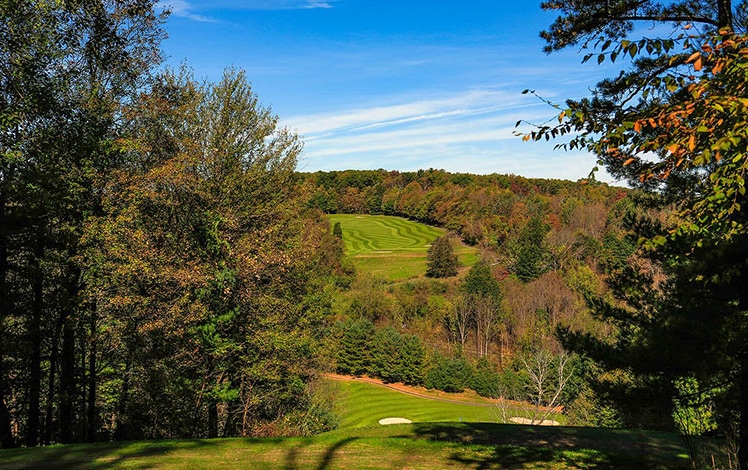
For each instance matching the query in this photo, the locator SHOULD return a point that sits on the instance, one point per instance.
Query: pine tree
(441, 259)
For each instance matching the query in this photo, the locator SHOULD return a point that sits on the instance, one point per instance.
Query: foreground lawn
(390, 247)
(422, 446)
(434, 441)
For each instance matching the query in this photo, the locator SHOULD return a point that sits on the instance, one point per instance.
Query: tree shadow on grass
(567, 447)
(99, 455)
(327, 460)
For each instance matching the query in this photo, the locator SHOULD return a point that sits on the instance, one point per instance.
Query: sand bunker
(395, 421)
(545, 422)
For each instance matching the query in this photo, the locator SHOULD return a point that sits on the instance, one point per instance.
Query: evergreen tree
(337, 231)
(355, 347)
(441, 259)
(673, 125)
(531, 256)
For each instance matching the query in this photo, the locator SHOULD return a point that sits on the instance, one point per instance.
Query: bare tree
(548, 374)
(487, 319)
(536, 392)
(463, 316)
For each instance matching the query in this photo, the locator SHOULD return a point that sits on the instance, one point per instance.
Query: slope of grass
(363, 404)
(390, 247)
(361, 443)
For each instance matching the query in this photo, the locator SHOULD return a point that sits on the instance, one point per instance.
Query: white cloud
(189, 9)
(184, 9)
(470, 131)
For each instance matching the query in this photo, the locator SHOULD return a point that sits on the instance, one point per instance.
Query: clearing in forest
(391, 247)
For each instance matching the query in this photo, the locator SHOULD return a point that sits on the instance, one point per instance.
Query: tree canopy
(159, 274)
(673, 124)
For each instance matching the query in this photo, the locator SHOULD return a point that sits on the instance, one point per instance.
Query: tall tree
(672, 124)
(211, 273)
(441, 259)
(67, 69)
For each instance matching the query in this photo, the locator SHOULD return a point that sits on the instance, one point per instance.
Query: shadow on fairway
(327, 460)
(519, 446)
(100, 455)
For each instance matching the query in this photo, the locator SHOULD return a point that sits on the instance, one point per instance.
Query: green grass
(363, 404)
(390, 247)
(361, 443)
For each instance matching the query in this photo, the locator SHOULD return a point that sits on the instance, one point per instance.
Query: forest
(166, 272)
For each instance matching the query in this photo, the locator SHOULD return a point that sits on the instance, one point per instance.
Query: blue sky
(399, 85)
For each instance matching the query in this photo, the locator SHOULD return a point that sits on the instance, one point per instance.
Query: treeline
(160, 276)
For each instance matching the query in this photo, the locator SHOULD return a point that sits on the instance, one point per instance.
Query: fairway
(363, 404)
(391, 247)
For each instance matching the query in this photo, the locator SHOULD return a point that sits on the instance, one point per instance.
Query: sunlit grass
(392, 248)
(433, 441)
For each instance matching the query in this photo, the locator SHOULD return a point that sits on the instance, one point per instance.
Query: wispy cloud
(184, 9)
(469, 131)
(193, 9)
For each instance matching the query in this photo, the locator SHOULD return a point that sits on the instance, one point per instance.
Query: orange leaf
(692, 143)
(693, 57)
(697, 64)
(629, 161)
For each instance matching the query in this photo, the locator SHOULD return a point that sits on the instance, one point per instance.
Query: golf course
(390, 247)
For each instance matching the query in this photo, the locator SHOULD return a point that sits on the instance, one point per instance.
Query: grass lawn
(390, 247)
(433, 441)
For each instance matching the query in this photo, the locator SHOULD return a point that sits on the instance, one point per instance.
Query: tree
(672, 125)
(483, 298)
(68, 68)
(531, 256)
(211, 273)
(441, 260)
(337, 231)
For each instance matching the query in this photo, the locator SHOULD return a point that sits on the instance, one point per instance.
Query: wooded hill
(546, 246)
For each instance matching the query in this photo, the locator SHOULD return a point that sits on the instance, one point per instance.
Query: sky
(398, 85)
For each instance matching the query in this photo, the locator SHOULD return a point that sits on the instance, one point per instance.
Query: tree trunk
(122, 402)
(91, 411)
(53, 356)
(743, 427)
(6, 435)
(67, 381)
(35, 336)
(212, 419)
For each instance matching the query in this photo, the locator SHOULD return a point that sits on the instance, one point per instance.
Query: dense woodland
(545, 248)
(159, 274)
(166, 272)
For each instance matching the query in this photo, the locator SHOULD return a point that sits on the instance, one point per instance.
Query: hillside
(390, 247)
